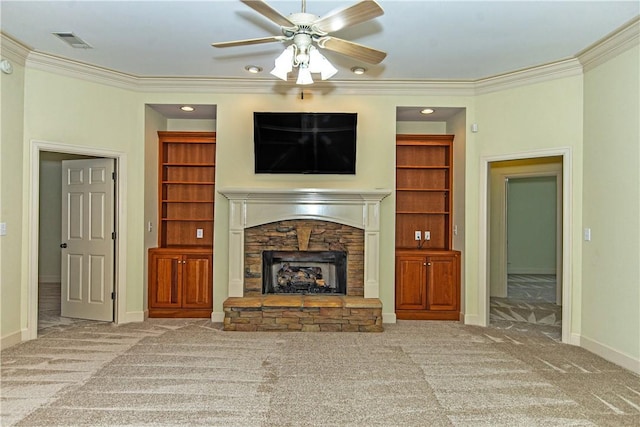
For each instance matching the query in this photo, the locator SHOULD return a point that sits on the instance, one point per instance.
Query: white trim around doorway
(483, 237)
(120, 315)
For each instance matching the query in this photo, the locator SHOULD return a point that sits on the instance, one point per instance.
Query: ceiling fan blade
(249, 41)
(355, 50)
(352, 15)
(264, 9)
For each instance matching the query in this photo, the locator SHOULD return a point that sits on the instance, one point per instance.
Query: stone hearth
(303, 313)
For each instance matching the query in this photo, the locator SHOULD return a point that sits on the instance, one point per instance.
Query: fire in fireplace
(304, 272)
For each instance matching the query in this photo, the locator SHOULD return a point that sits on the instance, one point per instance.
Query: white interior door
(87, 241)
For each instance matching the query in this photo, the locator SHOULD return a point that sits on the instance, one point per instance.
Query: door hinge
(113, 295)
(113, 176)
(113, 235)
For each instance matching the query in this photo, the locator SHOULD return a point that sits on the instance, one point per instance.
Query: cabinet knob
(428, 263)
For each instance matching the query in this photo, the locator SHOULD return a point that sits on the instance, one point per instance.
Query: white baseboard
(473, 319)
(49, 279)
(611, 354)
(574, 339)
(389, 318)
(10, 340)
(133, 316)
(217, 316)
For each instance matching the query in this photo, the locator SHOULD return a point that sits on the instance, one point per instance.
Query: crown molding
(611, 45)
(74, 69)
(79, 70)
(556, 70)
(13, 50)
(600, 52)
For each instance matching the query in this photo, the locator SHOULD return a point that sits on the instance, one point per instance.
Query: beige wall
(610, 268)
(11, 165)
(520, 122)
(80, 113)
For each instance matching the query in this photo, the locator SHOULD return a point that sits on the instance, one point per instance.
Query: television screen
(310, 143)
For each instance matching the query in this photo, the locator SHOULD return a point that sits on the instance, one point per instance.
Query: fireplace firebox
(304, 272)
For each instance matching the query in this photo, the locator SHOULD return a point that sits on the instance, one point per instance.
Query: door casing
(32, 236)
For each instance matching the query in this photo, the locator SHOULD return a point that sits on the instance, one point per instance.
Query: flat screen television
(305, 143)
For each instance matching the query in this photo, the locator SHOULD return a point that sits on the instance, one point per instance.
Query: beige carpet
(189, 372)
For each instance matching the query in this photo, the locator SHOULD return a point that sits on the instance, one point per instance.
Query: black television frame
(305, 143)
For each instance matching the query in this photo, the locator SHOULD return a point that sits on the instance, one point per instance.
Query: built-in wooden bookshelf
(187, 173)
(424, 190)
(180, 269)
(427, 270)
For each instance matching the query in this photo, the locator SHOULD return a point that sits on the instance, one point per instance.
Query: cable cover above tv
(305, 143)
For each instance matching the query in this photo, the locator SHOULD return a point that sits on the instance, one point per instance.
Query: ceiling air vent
(73, 40)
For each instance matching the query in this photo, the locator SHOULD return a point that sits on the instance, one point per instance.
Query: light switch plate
(3, 228)
(199, 233)
(418, 235)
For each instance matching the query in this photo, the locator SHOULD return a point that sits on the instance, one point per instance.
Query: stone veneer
(303, 235)
(303, 313)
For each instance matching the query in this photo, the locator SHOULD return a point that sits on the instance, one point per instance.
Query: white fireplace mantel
(356, 208)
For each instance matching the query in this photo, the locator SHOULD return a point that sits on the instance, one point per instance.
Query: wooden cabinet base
(177, 313)
(426, 315)
(180, 282)
(427, 284)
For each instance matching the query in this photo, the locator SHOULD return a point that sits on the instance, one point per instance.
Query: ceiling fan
(309, 32)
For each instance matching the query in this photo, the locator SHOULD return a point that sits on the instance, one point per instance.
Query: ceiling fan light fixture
(304, 76)
(284, 64)
(319, 64)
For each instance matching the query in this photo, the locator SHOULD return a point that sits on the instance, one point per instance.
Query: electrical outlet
(199, 233)
(418, 235)
(427, 235)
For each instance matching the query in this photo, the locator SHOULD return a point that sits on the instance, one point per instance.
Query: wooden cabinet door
(165, 280)
(197, 284)
(442, 282)
(410, 283)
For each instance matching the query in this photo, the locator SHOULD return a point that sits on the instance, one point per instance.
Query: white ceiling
(425, 40)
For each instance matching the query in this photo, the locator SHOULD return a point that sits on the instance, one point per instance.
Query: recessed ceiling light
(187, 108)
(253, 69)
(427, 111)
(358, 70)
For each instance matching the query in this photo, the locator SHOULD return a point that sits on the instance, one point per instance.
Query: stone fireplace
(336, 249)
(304, 260)
(357, 209)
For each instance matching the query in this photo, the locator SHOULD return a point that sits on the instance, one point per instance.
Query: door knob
(63, 245)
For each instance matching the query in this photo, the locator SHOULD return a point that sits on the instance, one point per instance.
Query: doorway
(38, 150)
(492, 257)
(52, 268)
(526, 246)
